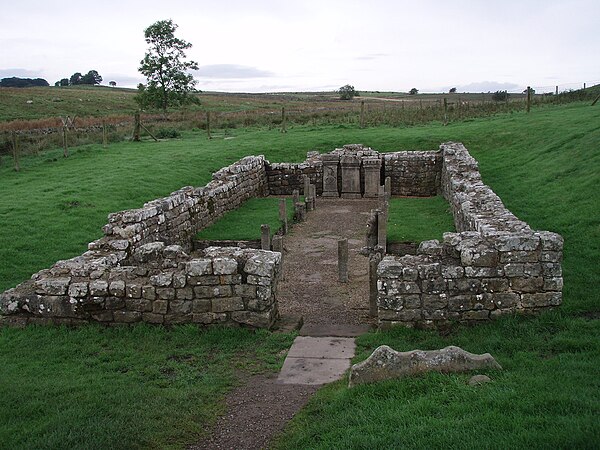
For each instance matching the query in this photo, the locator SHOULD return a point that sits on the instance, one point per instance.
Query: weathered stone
(117, 288)
(201, 306)
(198, 267)
(224, 266)
(149, 292)
(162, 279)
(138, 304)
(148, 252)
(224, 304)
(165, 293)
(541, 299)
(160, 306)
(79, 289)
(127, 316)
(209, 318)
(180, 307)
(263, 263)
(386, 363)
(52, 286)
(478, 380)
(254, 319)
(99, 288)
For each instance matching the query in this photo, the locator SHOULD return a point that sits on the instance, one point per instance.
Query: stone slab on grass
(322, 347)
(312, 371)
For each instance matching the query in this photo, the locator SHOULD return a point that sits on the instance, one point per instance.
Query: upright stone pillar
(372, 168)
(277, 243)
(283, 215)
(330, 175)
(350, 176)
(306, 186)
(343, 260)
(265, 237)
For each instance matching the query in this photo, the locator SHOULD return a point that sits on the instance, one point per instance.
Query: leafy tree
(413, 91)
(22, 82)
(453, 90)
(347, 92)
(500, 96)
(92, 77)
(64, 82)
(165, 68)
(75, 79)
(112, 83)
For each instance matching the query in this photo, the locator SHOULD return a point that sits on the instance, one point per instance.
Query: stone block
(133, 291)
(526, 284)
(201, 306)
(184, 293)
(254, 319)
(404, 315)
(209, 318)
(263, 263)
(178, 307)
(121, 316)
(479, 256)
(453, 271)
(199, 267)
(541, 299)
(160, 306)
(114, 303)
(98, 288)
(117, 288)
(504, 299)
(224, 266)
(149, 292)
(260, 281)
(476, 315)
(553, 284)
(520, 256)
(434, 301)
(153, 318)
(165, 293)
(464, 285)
(179, 280)
(551, 270)
(78, 289)
(138, 304)
(494, 284)
(433, 285)
(103, 316)
(162, 279)
(225, 304)
(245, 290)
(212, 291)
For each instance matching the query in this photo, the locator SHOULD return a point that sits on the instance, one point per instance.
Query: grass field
(244, 223)
(546, 168)
(418, 219)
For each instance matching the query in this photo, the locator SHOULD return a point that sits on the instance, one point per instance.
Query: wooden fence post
(445, 111)
(65, 142)
(15, 146)
(283, 120)
(528, 98)
(362, 113)
(136, 127)
(208, 125)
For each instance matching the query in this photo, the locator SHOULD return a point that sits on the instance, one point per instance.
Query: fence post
(15, 145)
(104, 140)
(265, 237)
(65, 143)
(283, 120)
(362, 113)
(283, 215)
(208, 125)
(528, 98)
(278, 247)
(445, 111)
(374, 260)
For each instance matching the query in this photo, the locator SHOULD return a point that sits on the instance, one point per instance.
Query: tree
(165, 67)
(413, 91)
(22, 82)
(347, 92)
(112, 83)
(92, 77)
(500, 96)
(452, 91)
(75, 79)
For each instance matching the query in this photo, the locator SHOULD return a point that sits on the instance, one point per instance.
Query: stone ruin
(146, 268)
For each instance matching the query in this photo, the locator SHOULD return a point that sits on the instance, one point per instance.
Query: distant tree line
(91, 78)
(22, 82)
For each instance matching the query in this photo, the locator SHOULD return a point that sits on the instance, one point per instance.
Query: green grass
(244, 223)
(138, 387)
(546, 168)
(418, 219)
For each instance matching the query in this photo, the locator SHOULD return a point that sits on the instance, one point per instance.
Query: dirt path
(259, 409)
(311, 288)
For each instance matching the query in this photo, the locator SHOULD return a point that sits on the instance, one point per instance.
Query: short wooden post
(16, 150)
(65, 142)
(278, 247)
(362, 113)
(265, 237)
(445, 111)
(136, 127)
(208, 125)
(104, 139)
(374, 260)
(283, 215)
(343, 260)
(528, 98)
(556, 90)
(283, 120)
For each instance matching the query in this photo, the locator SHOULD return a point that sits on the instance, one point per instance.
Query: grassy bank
(418, 219)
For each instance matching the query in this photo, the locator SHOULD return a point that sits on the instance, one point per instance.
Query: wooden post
(584, 85)
(362, 113)
(265, 237)
(528, 98)
(104, 140)
(343, 260)
(556, 90)
(15, 146)
(65, 143)
(136, 127)
(283, 120)
(283, 215)
(445, 111)
(208, 125)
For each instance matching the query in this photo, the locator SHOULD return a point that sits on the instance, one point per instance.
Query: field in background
(546, 168)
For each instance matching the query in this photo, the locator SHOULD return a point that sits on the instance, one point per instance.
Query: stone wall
(414, 174)
(177, 218)
(494, 265)
(157, 284)
(284, 178)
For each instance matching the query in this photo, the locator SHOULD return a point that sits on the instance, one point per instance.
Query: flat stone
(322, 347)
(312, 371)
(478, 380)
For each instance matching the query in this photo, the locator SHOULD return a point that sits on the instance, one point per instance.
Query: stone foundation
(494, 265)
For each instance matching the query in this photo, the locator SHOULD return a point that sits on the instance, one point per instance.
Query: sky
(316, 45)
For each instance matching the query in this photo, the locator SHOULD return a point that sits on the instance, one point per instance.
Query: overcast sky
(274, 45)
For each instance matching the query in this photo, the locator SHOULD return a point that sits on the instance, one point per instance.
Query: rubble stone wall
(494, 265)
(284, 178)
(414, 174)
(157, 284)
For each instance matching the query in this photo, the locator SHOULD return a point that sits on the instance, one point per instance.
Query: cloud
(21, 73)
(228, 71)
